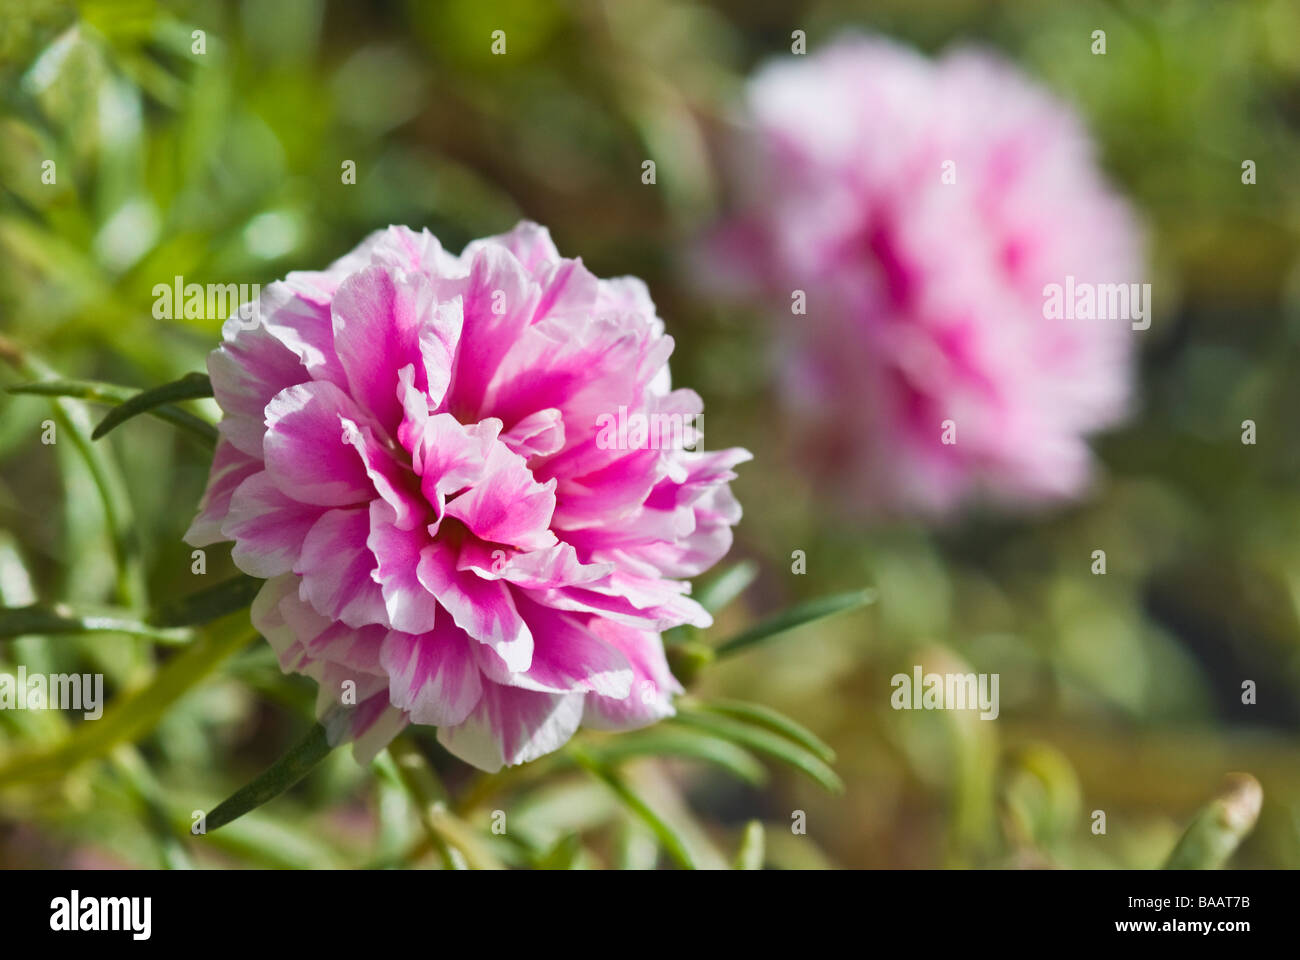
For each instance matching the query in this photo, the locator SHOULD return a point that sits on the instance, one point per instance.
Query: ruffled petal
(511, 726)
(268, 528)
(434, 677)
(308, 449)
(337, 569)
(485, 609)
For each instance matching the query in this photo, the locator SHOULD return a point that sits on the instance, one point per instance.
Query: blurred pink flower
(411, 456)
(925, 298)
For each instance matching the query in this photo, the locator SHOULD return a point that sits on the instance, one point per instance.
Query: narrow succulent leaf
(298, 761)
(764, 716)
(18, 589)
(797, 616)
(727, 586)
(208, 604)
(96, 391)
(763, 741)
(192, 386)
(692, 744)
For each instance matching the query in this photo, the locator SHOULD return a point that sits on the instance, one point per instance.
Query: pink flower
(411, 455)
(923, 207)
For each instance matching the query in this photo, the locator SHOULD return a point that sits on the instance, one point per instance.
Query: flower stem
(666, 835)
(135, 714)
(450, 835)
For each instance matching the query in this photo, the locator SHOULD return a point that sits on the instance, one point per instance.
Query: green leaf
(192, 386)
(764, 741)
(692, 744)
(208, 604)
(110, 393)
(666, 835)
(750, 854)
(762, 716)
(720, 591)
(1218, 829)
(296, 763)
(60, 619)
(797, 616)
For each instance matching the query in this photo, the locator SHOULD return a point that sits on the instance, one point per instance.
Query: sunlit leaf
(764, 741)
(721, 590)
(775, 721)
(797, 616)
(666, 742)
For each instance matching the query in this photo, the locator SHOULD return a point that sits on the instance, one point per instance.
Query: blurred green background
(1120, 693)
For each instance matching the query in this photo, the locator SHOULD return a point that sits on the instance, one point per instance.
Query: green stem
(133, 715)
(449, 833)
(59, 619)
(666, 835)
